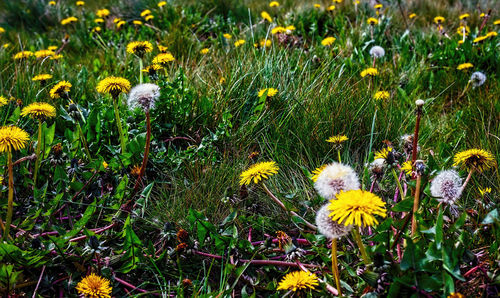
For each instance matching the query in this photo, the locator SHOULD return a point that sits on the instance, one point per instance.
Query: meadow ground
(192, 148)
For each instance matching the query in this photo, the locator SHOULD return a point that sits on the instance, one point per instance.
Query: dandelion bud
(329, 228)
(419, 167)
(144, 96)
(477, 79)
(334, 178)
(447, 187)
(377, 168)
(377, 52)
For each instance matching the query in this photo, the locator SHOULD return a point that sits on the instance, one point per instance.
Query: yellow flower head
(412, 16)
(56, 57)
(23, 55)
(239, 42)
(145, 12)
(3, 101)
(80, 3)
(105, 165)
(496, 22)
(465, 66)
(384, 153)
(44, 53)
(485, 190)
(372, 21)
(315, 173)
(258, 171)
(316, 5)
(270, 92)
(439, 20)
(461, 28)
(369, 72)
(102, 13)
(381, 95)
(99, 20)
(278, 29)
(474, 159)
(39, 110)
(480, 39)
(60, 89)
(227, 36)
(407, 167)
(139, 48)
(68, 20)
(96, 29)
(162, 3)
(152, 69)
(162, 49)
(455, 295)
(464, 16)
(357, 207)
(149, 18)
(263, 43)
(52, 48)
(113, 86)
(274, 4)
(378, 6)
(338, 139)
(266, 16)
(298, 280)
(163, 58)
(491, 34)
(328, 41)
(204, 51)
(119, 24)
(94, 286)
(12, 137)
(52, 3)
(330, 8)
(290, 28)
(2, 30)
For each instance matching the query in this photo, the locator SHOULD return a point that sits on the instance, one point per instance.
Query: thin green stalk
(10, 204)
(37, 152)
(398, 183)
(84, 141)
(140, 70)
(359, 242)
(371, 132)
(338, 154)
(119, 125)
(335, 266)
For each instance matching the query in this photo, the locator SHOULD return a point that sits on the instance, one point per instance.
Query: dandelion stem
(415, 205)
(415, 136)
(38, 149)
(338, 154)
(84, 141)
(278, 201)
(467, 179)
(146, 149)
(119, 124)
(359, 242)
(335, 268)
(398, 183)
(140, 70)
(10, 204)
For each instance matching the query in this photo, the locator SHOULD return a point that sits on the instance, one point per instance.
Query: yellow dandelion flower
(162, 3)
(328, 41)
(369, 72)
(116, 20)
(149, 18)
(491, 34)
(407, 167)
(274, 4)
(96, 29)
(340, 1)
(464, 16)
(163, 58)
(482, 15)
(381, 95)
(99, 20)
(461, 28)
(330, 8)
(80, 3)
(357, 207)
(12, 138)
(439, 20)
(222, 80)
(152, 69)
(239, 42)
(298, 280)
(105, 165)
(6, 45)
(145, 12)
(23, 55)
(315, 173)
(139, 48)
(2, 30)
(484, 191)
(258, 171)
(474, 159)
(455, 295)
(480, 39)
(44, 53)
(102, 13)
(227, 36)
(162, 49)
(52, 3)
(338, 139)
(120, 24)
(3, 101)
(68, 20)
(378, 6)
(412, 16)
(113, 86)
(204, 51)
(270, 92)
(266, 16)
(372, 21)
(465, 66)
(56, 57)
(39, 110)
(137, 22)
(60, 89)
(52, 48)
(384, 153)
(264, 43)
(94, 286)
(290, 28)
(278, 29)
(496, 22)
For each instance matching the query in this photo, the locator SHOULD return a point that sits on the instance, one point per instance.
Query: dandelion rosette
(357, 207)
(258, 171)
(94, 286)
(60, 89)
(139, 48)
(329, 228)
(298, 280)
(113, 86)
(39, 110)
(12, 137)
(335, 178)
(474, 159)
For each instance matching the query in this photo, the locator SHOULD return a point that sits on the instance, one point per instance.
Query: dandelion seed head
(377, 52)
(334, 178)
(329, 228)
(143, 96)
(447, 186)
(477, 78)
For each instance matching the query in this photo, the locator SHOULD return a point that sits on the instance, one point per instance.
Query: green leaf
(80, 224)
(491, 217)
(439, 229)
(403, 206)
(132, 247)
